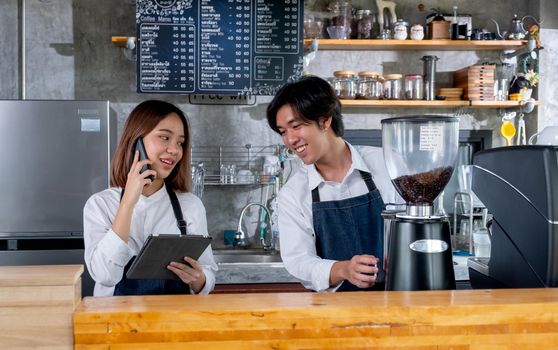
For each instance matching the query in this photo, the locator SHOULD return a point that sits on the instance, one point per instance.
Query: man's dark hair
(311, 98)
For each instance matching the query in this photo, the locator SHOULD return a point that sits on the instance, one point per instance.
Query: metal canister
(392, 86)
(430, 76)
(369, 86)
(344, 84)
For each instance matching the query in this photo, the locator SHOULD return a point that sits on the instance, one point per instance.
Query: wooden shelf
(498, 104)
(429, 104)
(403, 103)
(438, 45)
(120, 41)
(431, 45)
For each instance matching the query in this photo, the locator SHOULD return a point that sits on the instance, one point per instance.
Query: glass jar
(369, 86)
(400, 30)
(414, 88)
(392, 86)
(417, 32)
(344, 84)
(364, 24)
(357, 15)
(313, 27)
(385, 34)
(341, 16)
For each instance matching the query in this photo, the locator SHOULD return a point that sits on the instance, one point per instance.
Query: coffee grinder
(420, 153)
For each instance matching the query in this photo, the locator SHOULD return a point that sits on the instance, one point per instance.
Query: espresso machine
(519, 186)
(420, 153)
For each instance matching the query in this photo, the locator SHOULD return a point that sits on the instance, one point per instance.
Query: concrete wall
(70, 56)
(548, 92)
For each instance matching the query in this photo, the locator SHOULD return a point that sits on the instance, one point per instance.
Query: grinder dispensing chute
(420, 153)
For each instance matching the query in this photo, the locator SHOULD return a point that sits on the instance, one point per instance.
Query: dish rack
(234, 165)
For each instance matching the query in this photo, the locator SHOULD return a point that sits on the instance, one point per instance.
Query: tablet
(158, 251)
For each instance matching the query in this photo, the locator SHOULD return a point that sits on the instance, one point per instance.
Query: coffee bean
(423, 188)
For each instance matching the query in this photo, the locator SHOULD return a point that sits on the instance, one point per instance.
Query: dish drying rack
(250, 157)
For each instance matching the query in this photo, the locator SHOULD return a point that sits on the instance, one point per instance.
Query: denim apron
(349, 227)
(154, 286)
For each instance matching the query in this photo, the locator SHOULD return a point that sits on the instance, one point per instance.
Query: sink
(248, 256)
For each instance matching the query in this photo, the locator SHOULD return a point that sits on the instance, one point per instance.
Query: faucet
(240, 236)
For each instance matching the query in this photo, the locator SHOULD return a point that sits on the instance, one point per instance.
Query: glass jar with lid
(392, 86)
(364, 24)
(400, 30)
(369, 86)
(344, 84)
(414, 88)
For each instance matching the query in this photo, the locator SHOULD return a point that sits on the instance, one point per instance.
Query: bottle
(454, 25)
(274, 226)
(199, 178)
(274, 218)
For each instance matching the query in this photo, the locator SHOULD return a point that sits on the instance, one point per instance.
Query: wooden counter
(37, 304)
(466, 319)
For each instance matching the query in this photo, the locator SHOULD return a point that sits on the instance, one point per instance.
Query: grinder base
(419, 256)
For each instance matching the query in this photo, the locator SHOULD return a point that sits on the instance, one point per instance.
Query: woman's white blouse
(106, 253)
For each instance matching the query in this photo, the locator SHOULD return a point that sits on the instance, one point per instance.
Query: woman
(117, 221)
(331, 230)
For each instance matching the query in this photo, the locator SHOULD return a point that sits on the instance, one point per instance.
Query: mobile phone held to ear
(139, 146)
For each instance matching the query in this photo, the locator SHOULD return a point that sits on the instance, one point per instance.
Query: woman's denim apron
(153, 286)
(349, 227)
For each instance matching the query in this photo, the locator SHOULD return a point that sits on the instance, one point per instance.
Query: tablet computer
(159, 250)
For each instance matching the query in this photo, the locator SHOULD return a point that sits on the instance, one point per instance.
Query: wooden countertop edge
(39, 275)
(357, 303)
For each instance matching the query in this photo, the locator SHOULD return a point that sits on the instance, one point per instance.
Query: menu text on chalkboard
(227, 47)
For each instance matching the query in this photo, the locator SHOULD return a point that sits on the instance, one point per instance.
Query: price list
(164, 50)
(277, 26)
(225, 58)
(229, 47)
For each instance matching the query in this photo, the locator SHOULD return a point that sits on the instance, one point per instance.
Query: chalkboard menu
(228, 47)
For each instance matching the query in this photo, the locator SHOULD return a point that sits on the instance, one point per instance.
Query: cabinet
(36, 305)
(431, 45)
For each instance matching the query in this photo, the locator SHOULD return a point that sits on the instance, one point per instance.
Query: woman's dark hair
(141, 121)
(311, 98)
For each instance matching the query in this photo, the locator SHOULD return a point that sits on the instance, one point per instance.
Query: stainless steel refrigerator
(53, 156)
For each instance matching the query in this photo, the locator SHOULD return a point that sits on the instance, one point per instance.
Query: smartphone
(139, 146)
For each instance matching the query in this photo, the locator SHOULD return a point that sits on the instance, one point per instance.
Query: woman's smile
(167, 163)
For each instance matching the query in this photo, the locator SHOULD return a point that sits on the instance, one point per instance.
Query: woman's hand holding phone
(135, 183)
(137, 180)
